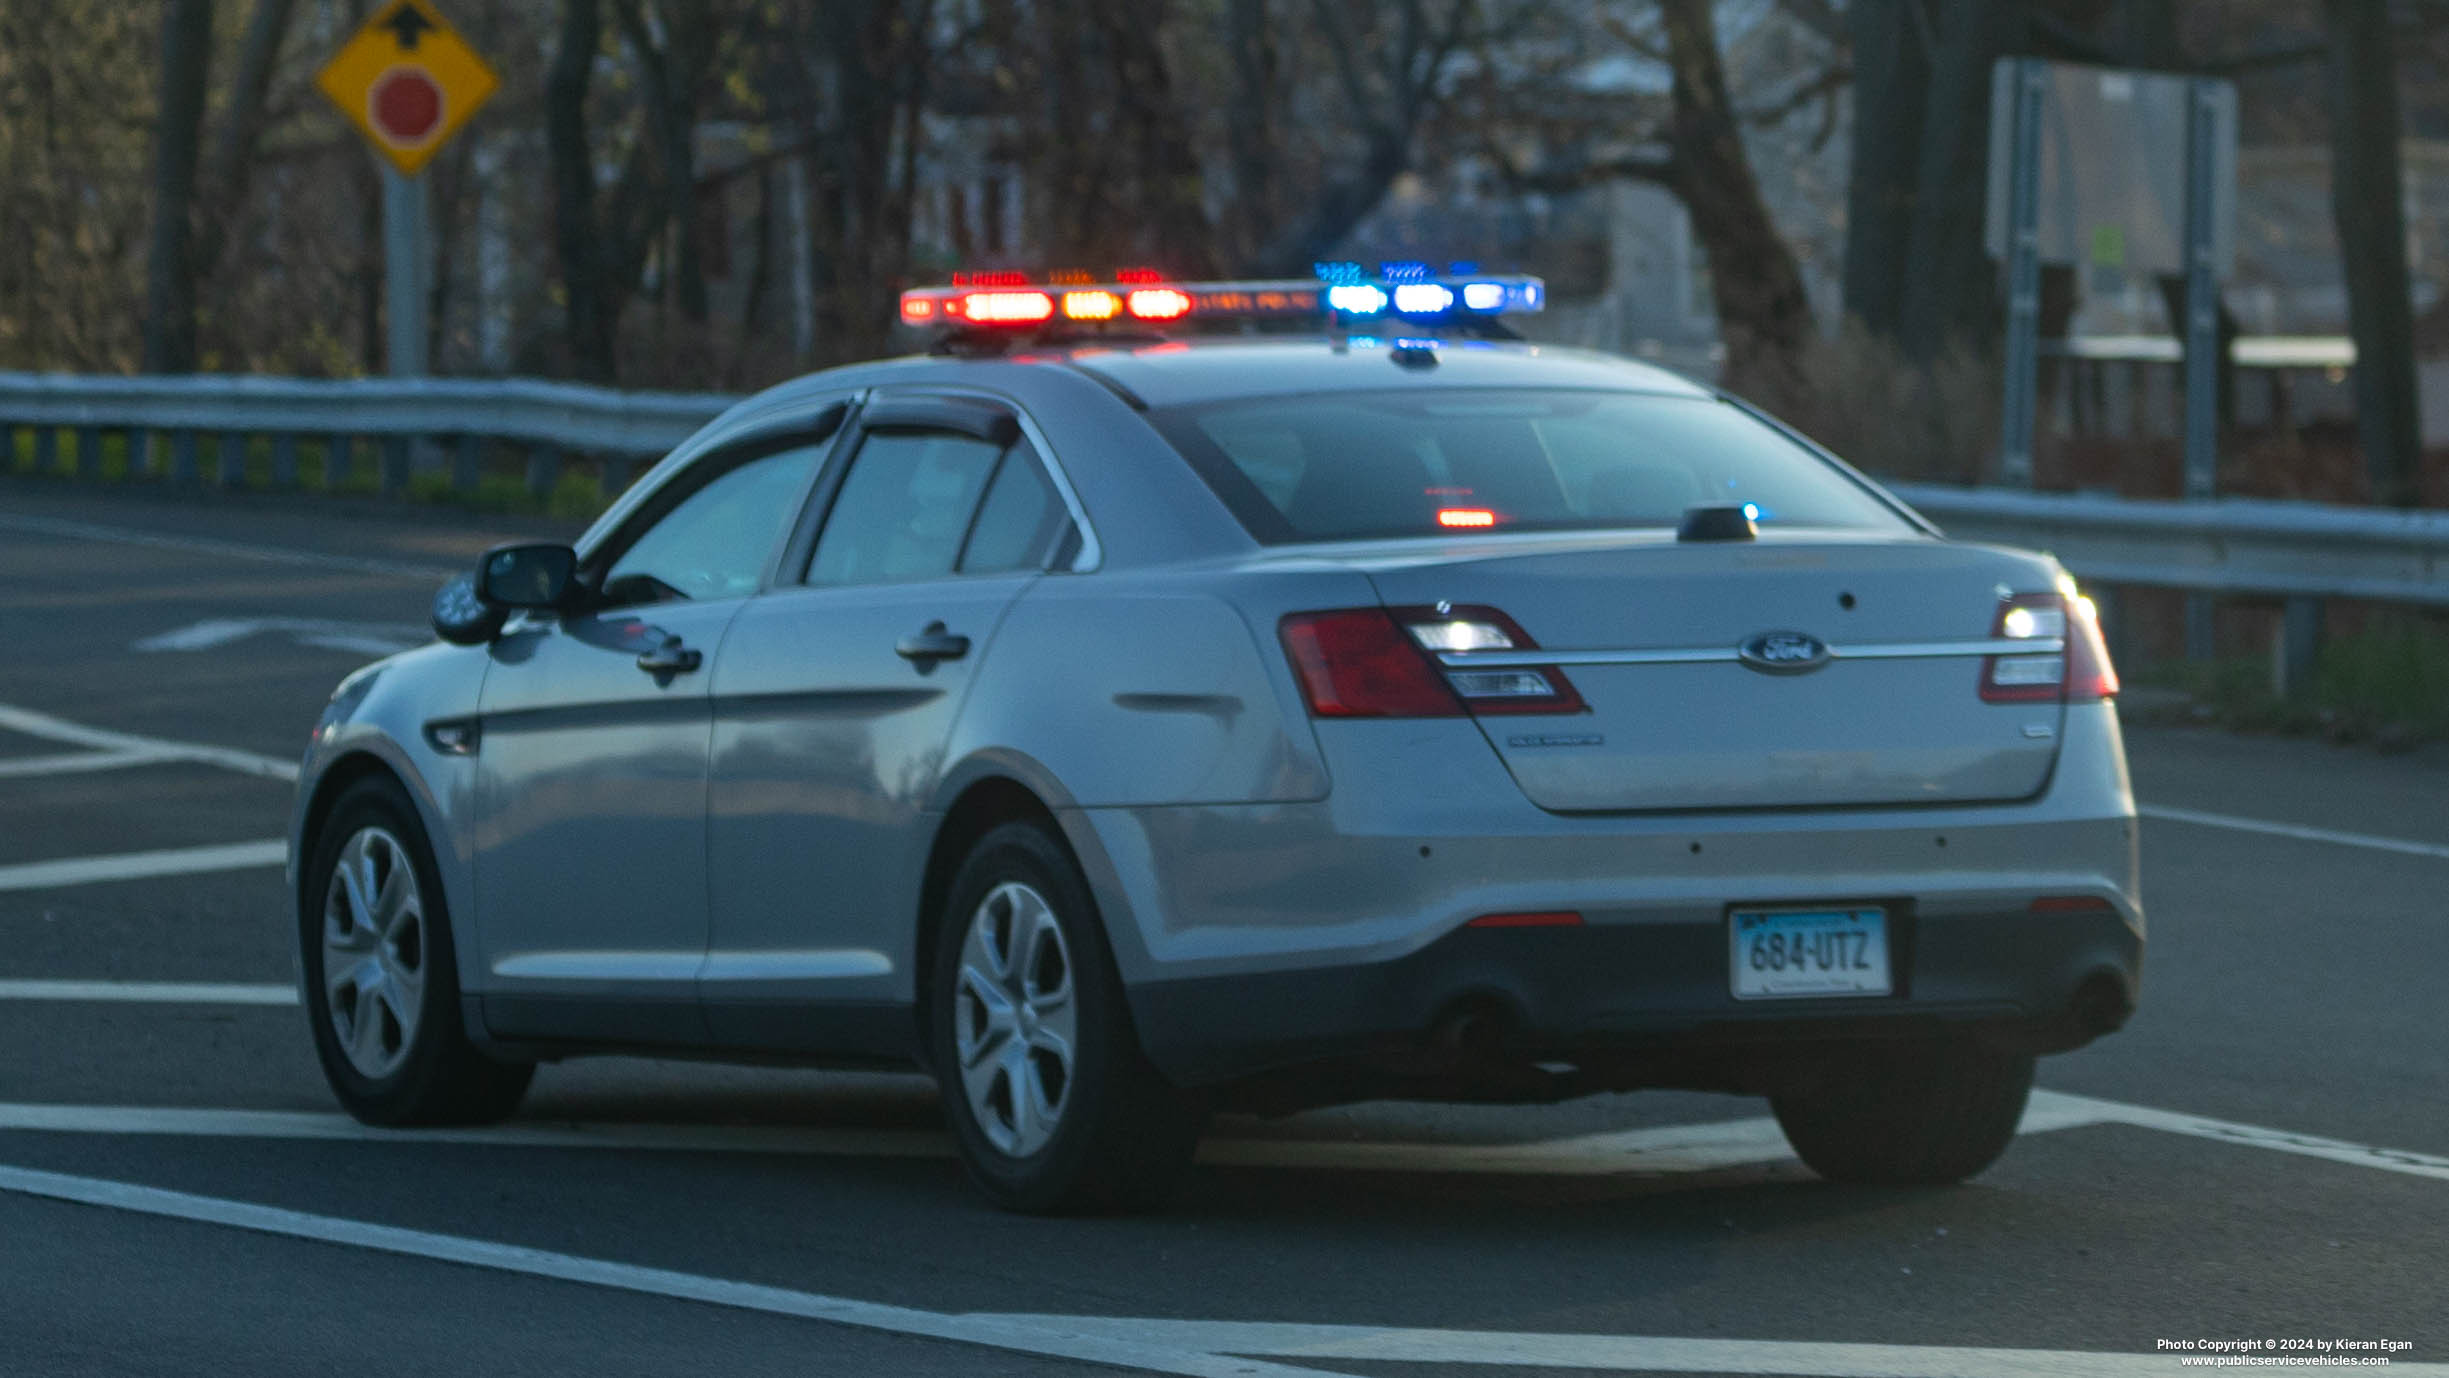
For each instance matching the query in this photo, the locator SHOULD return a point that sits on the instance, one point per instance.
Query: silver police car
(1125, 724)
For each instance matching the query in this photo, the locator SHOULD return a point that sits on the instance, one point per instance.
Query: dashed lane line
(174, 861)
(1055, 1339)
(150, 992)
(49, 728)
(2233, 823)
(1661, 1151)
(208, 545)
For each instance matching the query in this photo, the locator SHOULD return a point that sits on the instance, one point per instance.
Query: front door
(834, 703)
(591, 787)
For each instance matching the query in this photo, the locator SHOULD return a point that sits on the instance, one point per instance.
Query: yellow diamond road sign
(409, 81)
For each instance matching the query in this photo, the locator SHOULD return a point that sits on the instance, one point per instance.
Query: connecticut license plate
(1781, 953)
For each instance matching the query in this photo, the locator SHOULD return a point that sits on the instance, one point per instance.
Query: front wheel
(382, 994)
(1912, 1114)
(1053, 1104)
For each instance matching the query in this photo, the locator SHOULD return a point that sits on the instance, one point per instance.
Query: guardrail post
(89, 452)
(615, 476)
(339, 457)
(183, 458)
(467, 463)
(285, 459)
(46, 449)
(543, 470)
(2201, 627)
(233, 469)
(396, 451)
(2300, 629)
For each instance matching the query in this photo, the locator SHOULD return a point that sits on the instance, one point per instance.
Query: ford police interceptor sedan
(1125, 727)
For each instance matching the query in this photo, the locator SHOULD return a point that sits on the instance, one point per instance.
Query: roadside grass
(354, 471)
(2387, 683)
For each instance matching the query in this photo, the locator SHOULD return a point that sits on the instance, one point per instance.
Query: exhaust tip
(2101, 1005)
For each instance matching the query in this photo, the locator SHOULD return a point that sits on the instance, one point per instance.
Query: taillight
(2077, 669)
(1383, 662)
(1358, 664)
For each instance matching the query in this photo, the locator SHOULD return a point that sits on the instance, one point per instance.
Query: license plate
(1782, 953)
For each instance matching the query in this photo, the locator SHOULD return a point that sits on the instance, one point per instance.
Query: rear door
(835, 695)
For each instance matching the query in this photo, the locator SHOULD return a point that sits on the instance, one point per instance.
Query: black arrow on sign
(407, 25)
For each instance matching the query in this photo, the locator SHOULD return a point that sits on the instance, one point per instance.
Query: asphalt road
(2263, 1154)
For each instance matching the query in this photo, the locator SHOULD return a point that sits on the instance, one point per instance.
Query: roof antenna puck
(1726, 523)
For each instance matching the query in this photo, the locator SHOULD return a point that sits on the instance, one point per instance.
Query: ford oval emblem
(1784, 653)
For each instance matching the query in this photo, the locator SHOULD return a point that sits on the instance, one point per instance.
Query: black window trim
(824, 428)
(977, 416)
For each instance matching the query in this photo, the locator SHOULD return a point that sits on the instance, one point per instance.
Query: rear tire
(1054, 1106)
(382, 989)
(1919, 1114)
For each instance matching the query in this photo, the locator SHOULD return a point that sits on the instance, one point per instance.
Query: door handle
(932, 644)
(670, 658)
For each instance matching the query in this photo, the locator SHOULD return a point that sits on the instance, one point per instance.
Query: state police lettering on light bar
(1343, 292)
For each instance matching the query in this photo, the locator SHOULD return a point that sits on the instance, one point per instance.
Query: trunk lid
(1649, 630)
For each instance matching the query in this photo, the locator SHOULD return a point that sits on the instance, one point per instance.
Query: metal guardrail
(2301, 552)
(2218, 545)
(409, 419)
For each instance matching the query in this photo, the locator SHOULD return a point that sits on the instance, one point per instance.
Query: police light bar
(1342, 293)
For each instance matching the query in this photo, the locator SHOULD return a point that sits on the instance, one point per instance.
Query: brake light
(1356, 663)
(2077, 671)
(1388, 663)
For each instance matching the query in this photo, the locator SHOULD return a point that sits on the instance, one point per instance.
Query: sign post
(409, 82)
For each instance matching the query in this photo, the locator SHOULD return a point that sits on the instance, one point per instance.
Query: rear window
(1330, 467)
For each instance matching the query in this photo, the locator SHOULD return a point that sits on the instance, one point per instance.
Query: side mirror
(462, 618)
(527, 576)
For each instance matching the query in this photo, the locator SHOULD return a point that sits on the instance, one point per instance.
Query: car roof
(1194, 370)
(1189, 372)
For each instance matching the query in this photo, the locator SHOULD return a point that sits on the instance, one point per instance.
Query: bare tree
(178, 131)
(2366, 201)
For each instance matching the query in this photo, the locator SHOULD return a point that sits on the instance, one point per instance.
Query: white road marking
(1057, 1338)
(175, 861)
(1664, 1151)
(2253, 1136)
(207, 545)
(77, 762)
(150, 992)
(49, 728)
(2303, 834)
(1647, 1353)
(370, 638)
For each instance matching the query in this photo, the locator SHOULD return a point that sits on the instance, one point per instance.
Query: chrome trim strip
(1704, 655)
(601, 966)
(821, 964)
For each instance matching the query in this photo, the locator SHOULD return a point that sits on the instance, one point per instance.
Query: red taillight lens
(2078, 671)
(1383, 663)
(1358, 664)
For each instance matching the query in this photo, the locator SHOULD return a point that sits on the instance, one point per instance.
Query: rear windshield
(1317, 467)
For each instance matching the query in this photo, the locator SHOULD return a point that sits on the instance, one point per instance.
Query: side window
(904, 508)
(714, 543)
(1019, 523)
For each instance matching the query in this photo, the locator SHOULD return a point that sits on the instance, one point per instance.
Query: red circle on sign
(405, 105)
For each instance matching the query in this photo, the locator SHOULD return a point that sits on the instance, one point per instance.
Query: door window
(904, 508)
(1020, 522)
(715, 542)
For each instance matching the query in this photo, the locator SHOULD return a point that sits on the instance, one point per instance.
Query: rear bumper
(1256, 937)
(1647, 1001)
